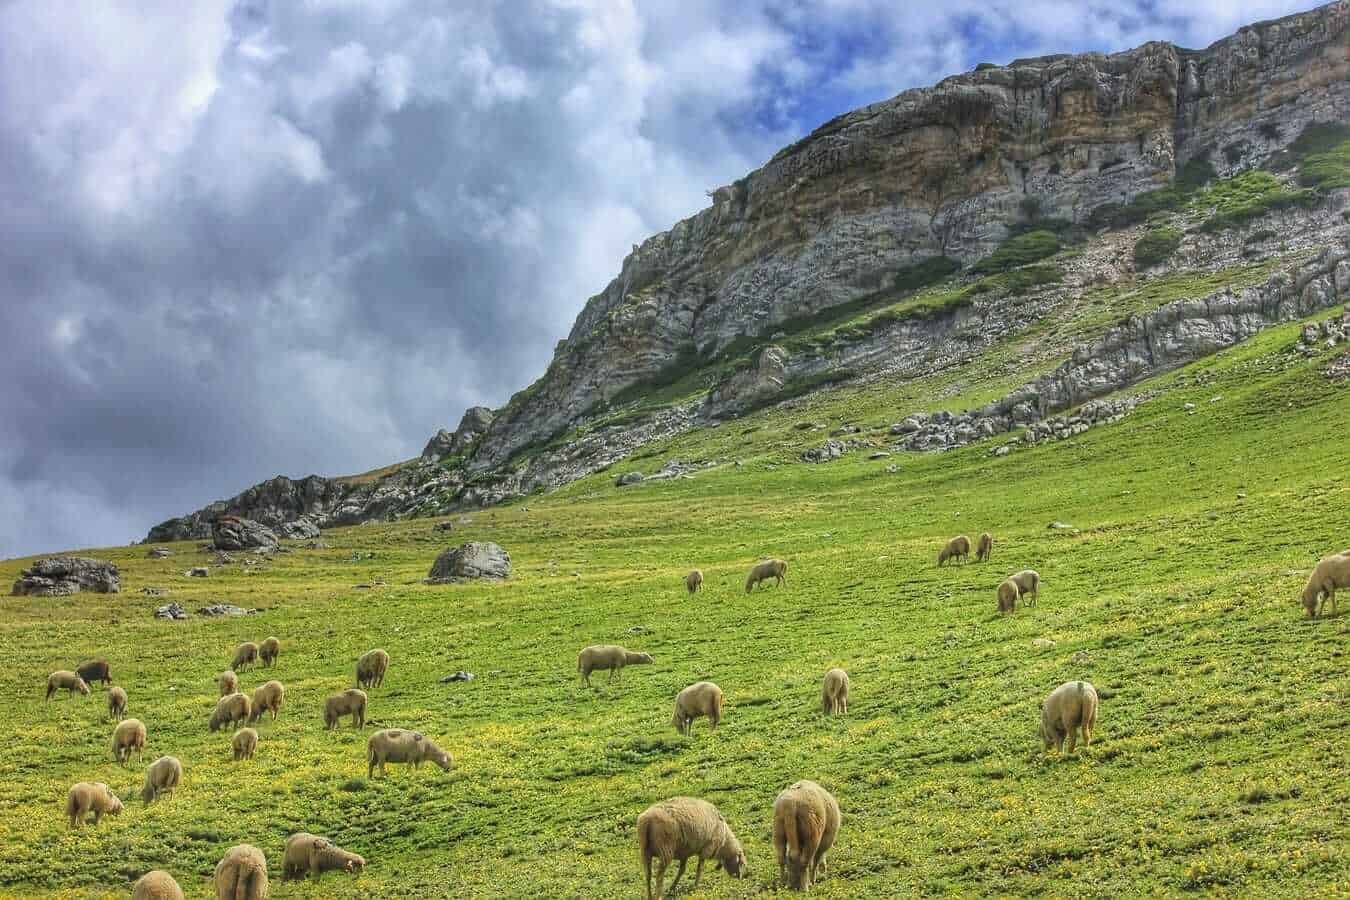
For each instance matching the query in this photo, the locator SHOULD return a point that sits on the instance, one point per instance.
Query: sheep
(340, 704)
(267, 698)
(770, 568)
(66, 681)
(156, 885)
(129, 735)
(608, 656)
(1330, 573)
(245, 741)
(370, 669)
(310, 854)
(805, 824)
(269, 650)
(94, 670)
(681, 827)
(90, 797)
(1007, 596)
(117, 703)
(985, 547)
(1071, 706)
(693, 582)
(228, 682)
(245, 655)
(957, 548)
(834, 693)
(161, 778)
(241, 874)
(700, 699)
(1028, 582)
(230, 710)
(399, 746)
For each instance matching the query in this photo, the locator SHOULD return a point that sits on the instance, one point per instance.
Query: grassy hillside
(1219, 762)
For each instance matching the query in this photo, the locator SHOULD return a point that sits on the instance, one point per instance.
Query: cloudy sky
(246, 238)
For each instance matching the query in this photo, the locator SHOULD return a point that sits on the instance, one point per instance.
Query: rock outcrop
(60, 575)
(235, 533)
(475, 559)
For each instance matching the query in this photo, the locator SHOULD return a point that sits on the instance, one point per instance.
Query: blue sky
(249, 238)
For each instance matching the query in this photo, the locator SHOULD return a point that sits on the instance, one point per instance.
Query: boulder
(628, 478)
(158, 553)
(171, 611)
(224, 609)
(301, 529)
(197, 572)
(475, 559)
(235, 533)
(827, 451)
(60, 575)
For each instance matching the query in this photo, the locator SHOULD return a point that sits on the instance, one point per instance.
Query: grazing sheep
(770, 568)
(834, 694)
(66, 681)
(232, 710)
(269, 650)
(228, 682)
(985, 547)
(395, 745)
(90, 797)
(244, 656)
(693, 581)
(156, 885)
(244, 743)
(805, 824)
(338, 705)
(267, 698)
(94, 670)
(370, 669)
(1007, 596)
(161, 778)
(681, 827)
(310, 854)
(607, 656)
(1071, 706)
(129, 735)
(1331, 573)
(957, 548)
(1028, 582)
(700, 699)
(117, 703)
(241, 874)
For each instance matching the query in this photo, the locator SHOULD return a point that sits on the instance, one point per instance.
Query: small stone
(1060, 526)
(171, 611)
(1001, 451)
(197, 572)
(158, 553)
(1082, 657)
(458, 676)
(879, 454)
(1042, 643)
(1188, 406)
(628, 478)
(225, 609)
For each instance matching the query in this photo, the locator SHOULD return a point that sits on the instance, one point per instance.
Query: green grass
(1157, 245)
(1218, 763)
(1238, 200)
(1321, 153)
(1019, 250)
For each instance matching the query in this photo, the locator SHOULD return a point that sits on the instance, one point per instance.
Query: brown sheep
(94, 670)
(128, 736)
(1028, 582)
(770, 568)
(702, 698)
(228, 682)
(957, 548)
(231, 710)
(340, 704)
(267, 698)
(681, 827)
(834, 693)
(311, 854)
(1330, 573)
(370, 669)
(245, 655)
(399, 746)
(985, 547)
(243, 744)
(693, 581)
(241, 874)
(156, 885)
(66, 681)
(608, 656)
(1007, 596)
(269, 650)
(1070, 707)
(90, 797)
(117, 703)
(161, 778)
(805, 824)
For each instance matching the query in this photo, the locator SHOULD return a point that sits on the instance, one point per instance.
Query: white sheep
(241, 874)
(370, 669)
(244, 742)
(702, 698)
(231, 710)
(1028, 582)
(681, 827)
(693, 581)
(161, 777)
(90, 797)
(834, 692)
(770, 568)
(117, 703)
(1070, 707)
(599, 657)
(228, 683)
(267, 698)
(245, 655)
(395, 745)
(957, 548)
(1330, 573)
(805, 824)
(340, 704)
(128, 737)
(985, 547)
(311, 854)
(156, 885)
(66, 681)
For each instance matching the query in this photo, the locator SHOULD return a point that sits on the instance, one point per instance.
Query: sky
(242, 238)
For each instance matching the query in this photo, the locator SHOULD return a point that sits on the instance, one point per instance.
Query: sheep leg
(679, 873)
(1073, 737)
(698, 873)
(647, 872)
(807, 859)
(661, 877)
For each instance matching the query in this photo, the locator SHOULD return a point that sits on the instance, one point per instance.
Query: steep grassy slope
(1220, 759)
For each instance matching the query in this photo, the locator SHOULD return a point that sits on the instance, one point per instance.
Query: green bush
(1190, 179)
(1249, 196)
(1019, 250)
(921, 275)
(1155, 246)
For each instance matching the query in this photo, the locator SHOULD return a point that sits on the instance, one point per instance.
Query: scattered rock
(1042, 643)
(879, 454)
(1060, 526)
(60, 575)
(1082, 657)
(892, 468)
(158, 553)
(235, 533)
(475, 559)
(638, 629)
(1188, 406)
(299, 529)
(443, 526)
(171, 611)
(628, 478)
(224, 609)
(827, 451)
(154, 591)
(197, 572)
(1001, 451)
(317, 545)
(458, 676)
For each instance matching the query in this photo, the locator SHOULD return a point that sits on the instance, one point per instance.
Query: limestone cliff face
(933, 171)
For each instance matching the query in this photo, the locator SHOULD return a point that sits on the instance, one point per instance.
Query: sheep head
(732, 858)
(82, 687)
(440, 757)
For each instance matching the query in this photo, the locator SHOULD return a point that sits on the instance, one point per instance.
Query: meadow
(1219, 762)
